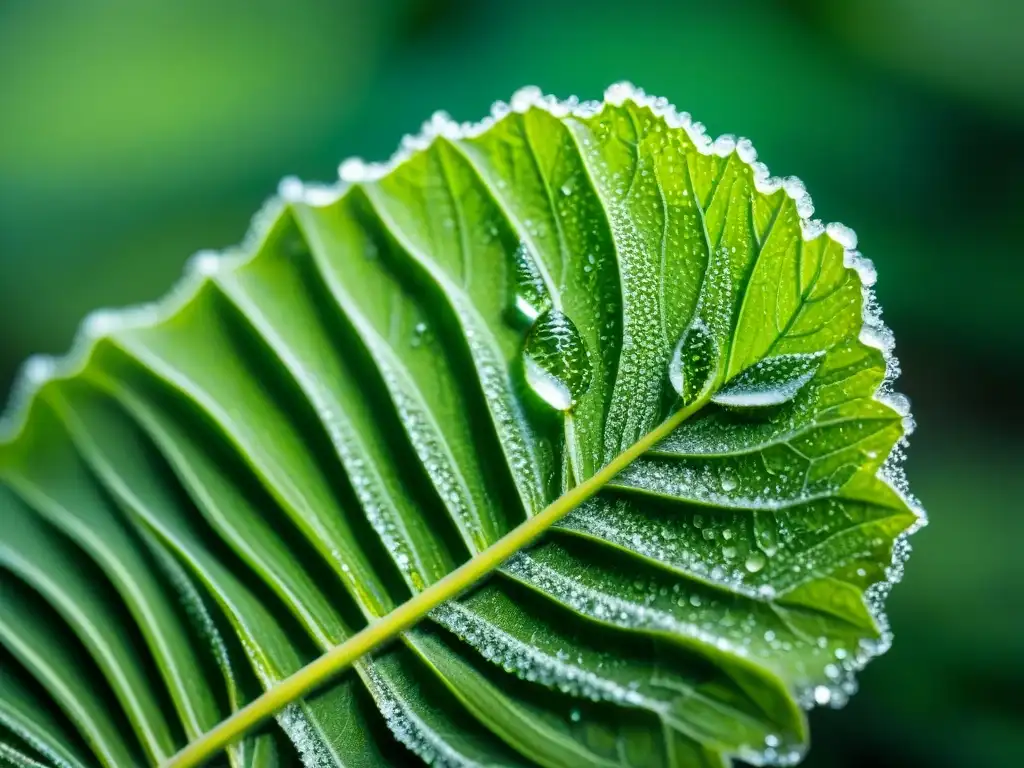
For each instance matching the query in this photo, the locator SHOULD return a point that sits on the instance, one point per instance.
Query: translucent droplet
(557, 361)
(765, 532)
(575, 715)
(729, 480)
(755, 562)
(419, 331)
(772, 381)
(694, 363)
(530, 293)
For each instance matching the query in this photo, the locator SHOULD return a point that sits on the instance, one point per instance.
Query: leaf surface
(582, 348)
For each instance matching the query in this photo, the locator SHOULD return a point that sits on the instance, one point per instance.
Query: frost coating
(411, 731)
(532, 664)
(17, 758)
(30, 738)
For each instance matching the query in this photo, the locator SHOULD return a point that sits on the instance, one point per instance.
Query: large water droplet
(755, 562)
(557, 361)
(772, 381)
(694, 363)
(530, 294)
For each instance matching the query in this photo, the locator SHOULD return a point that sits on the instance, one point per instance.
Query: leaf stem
(409, 613)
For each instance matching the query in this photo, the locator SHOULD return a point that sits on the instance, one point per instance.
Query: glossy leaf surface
(395, 372)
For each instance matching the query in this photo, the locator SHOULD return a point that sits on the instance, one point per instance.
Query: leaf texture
(393, 373)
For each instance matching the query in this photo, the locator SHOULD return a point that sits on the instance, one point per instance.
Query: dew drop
(772, 381)
(729, 480)
(575, 715)
(694, 362)
(765, 532)
(556, 359)
(530, 294)
(755, 562)
(419, 331)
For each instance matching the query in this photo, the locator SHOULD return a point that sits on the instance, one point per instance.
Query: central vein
(409, 613)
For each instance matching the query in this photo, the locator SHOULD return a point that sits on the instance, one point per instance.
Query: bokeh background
(135, 133)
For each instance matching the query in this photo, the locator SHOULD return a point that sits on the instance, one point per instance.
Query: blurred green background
(135, 133)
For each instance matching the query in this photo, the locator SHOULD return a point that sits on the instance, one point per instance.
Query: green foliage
(395, 373)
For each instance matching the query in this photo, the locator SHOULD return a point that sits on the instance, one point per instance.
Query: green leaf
(580, 348)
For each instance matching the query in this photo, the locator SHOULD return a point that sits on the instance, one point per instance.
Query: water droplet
(530, 293)
(729, 480)
(822, 695)
(772, 381)
(766, 591)
(556, 359)
(755, 562)
(575, 715)
(694, 363)
(419, 331)
(765, 532)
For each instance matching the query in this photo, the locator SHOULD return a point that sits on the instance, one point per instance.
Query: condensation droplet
(694, 362)
(557, 362)
(765, 532)
(729, 480)
(772, 381)
(530, 294)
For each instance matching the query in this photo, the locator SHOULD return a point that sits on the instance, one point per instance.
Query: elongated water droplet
(694, 363)
(557, 361)
(772, 381)
(765, 532)
(530, 295)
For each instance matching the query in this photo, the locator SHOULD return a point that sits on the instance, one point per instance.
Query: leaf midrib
(409, 613)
